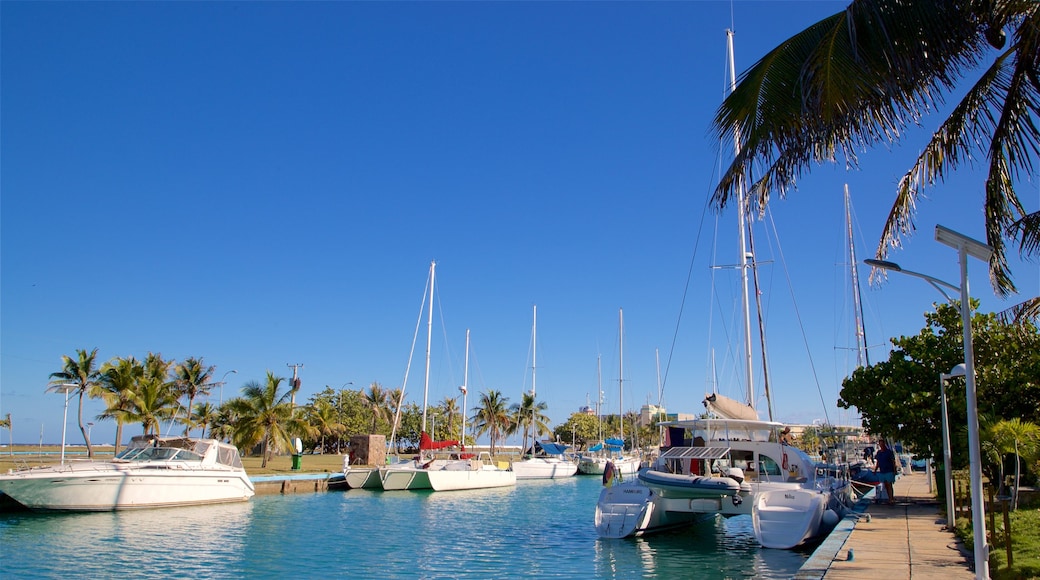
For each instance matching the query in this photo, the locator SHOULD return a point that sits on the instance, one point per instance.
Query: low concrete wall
(291, 484)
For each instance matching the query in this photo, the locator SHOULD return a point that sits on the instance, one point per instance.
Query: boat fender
(830, 517)
(785, 461)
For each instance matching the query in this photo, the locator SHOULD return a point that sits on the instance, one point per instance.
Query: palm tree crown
(863, 76)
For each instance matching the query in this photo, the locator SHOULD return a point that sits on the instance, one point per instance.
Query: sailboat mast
(862, 355)
(599, 398)
(534, 350)
(429, 339)
(741, 216)
(465, 389)
(621, 371)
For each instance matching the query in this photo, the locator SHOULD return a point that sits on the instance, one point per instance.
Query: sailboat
(790, 501)
(608, 457)
(547, 459)
(427, 472)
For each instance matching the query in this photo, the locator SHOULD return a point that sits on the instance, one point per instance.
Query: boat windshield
(159, 454)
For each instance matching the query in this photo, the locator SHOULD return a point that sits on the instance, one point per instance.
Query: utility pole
(294, 386)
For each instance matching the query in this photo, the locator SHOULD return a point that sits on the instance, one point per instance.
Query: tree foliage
(899, 397)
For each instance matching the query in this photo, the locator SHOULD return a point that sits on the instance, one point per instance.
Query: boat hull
(483, 478)
(362, 478)
(784, 519)
(109, 487)
(403, 478)
(632, 509)
(544, 468)
(596, 465)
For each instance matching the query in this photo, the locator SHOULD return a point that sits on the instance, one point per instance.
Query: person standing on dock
(885, 467)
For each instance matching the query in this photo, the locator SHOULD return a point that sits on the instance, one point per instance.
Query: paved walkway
(893, 542)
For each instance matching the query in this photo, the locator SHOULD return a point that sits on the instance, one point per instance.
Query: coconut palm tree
(491, 416)
(865, 75)
(81, 372)
(121, 379)
(530, 414)
(152, 403)
(5, 423)
(450, 409)
(191, 379)
(265, 416)
(376, 401)
(205, 414)
(322, 416)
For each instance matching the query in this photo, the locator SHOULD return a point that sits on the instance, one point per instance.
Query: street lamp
(957, 371)
(90, 426)
(222, 384)
(66, 388)
(965, 247)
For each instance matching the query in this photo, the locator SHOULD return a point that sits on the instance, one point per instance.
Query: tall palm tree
(205, 415)
(864, 75)
(491, 416)
(376, 401)
(153, 402)
(322, 416)
(450, 408)
(264, 416)
(530, 414)
(192, 379)
(122, 378)
(83, 373)
(5, 423)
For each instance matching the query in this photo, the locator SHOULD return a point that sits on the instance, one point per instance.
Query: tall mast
(429, 338)
(741, 216)
(534, 350)
(862, 354)
(621, 371)
(465, 388)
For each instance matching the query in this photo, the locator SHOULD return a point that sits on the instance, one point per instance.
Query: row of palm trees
(265, 419)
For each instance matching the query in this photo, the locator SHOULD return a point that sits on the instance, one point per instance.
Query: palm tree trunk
(119, 437)
(83, 428)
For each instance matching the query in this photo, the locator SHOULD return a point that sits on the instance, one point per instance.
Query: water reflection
(186, 541)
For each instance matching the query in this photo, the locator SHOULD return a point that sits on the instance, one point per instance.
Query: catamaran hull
(784, 519)
(540, 468)
(362, 478)
(106, 487)
(632, 509)
(397, 479)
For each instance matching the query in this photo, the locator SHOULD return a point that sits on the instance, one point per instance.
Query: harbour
(540, 527)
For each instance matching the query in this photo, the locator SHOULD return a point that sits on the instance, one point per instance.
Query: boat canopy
(695, 453)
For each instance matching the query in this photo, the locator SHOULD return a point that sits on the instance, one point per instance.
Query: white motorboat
(151, 472)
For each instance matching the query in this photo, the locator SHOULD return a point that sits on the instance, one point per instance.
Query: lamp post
(965, 247)
(66, 388)
(222, 384)
(957, 371)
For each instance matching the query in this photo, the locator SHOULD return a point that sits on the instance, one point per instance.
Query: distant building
(653, 414)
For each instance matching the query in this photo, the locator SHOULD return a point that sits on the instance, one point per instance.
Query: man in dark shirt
(885, 467)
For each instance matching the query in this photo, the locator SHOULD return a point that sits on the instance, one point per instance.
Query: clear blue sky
(261, 184)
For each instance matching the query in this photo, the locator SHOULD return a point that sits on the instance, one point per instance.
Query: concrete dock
(907, 539)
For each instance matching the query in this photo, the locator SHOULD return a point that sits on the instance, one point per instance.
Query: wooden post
(992, 520)
(1007, 532)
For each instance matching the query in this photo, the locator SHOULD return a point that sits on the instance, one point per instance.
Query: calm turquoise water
(540, 529)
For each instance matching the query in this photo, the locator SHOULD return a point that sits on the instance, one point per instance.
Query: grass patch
(1025, 544)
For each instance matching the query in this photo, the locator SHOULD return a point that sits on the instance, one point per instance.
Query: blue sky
(262, 184)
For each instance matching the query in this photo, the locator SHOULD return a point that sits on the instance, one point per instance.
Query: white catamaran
(730, 464)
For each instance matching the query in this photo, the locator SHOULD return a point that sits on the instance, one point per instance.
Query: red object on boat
(428, 444)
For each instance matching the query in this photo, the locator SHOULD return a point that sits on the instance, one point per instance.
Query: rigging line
(798, 316)
(408, 367)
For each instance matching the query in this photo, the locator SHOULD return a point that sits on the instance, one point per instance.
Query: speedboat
(151, 472)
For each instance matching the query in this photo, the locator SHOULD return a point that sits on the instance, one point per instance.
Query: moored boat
(151, 472)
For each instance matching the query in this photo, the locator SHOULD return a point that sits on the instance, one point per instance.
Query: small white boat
(784, 519)
(552, 465)
(150, 473)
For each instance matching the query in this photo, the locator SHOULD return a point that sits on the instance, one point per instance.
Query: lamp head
(883, 265)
